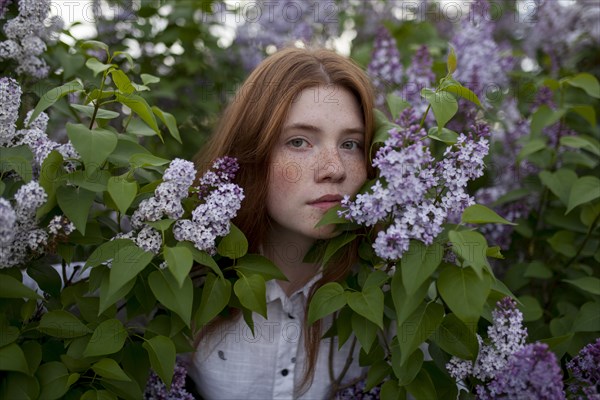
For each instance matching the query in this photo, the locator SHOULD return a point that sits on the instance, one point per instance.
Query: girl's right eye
(297, 143)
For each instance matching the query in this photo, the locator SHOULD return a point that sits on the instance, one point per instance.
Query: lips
(327, 201)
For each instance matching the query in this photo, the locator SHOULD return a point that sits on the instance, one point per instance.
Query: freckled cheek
(357, 174)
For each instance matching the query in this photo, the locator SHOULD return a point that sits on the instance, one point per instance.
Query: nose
(330, 166)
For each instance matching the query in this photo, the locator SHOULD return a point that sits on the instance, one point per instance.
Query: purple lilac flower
(59, 224)
(418, 76)
(27, 36)
(545, 97)
(506, 334)
(4, 7)
(385, 67)
(25, 238)
(221, 201)
(166, 201)
(532, 372)
(157, 390)
(585, 372)
(482, 66)
(10, 101)
(357, 392)
(554, 30)
(270, 23)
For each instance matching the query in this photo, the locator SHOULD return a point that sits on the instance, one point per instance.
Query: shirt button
(290, 316)
(284, 372)
(293, 359)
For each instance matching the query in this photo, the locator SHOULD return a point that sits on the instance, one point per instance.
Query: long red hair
(249, 128)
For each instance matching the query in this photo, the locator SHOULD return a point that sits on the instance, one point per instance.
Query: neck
(287, 250)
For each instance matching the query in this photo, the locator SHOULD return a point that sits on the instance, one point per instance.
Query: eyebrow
(312, 128)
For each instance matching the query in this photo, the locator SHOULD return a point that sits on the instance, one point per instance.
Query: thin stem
(587, 238)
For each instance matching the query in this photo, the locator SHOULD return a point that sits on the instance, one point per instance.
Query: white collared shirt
(234, 364)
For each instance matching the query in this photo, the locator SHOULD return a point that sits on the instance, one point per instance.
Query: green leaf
(443, 135)
(123, 83)
(62, 324)
(53, 378)
(139, 106)
(406, 304)
(587, 82)
(531, 147)
(122, 192)
(148, 79)
(94, 44)
(463, 92)
(451, 62)
(161, 225)
(479, 214)
(588, 113)
(98, 395)
(544, 116)
(365, 331)
(419, 263)
(456, 338)
(139, 160)
(443, 104)
(588, 318)
(559, 182)
(391, 391)
(96, 66)
(532, 311)
(161, 351)
(18, 159)
(52, 96)
(234, 245)
(10, 288)
(336, 244)
(202, 258)
(588, 284)
(179, 260)
(537, 269)
(109, 368)
(581, 142)
(464, 292)
(127, 264)
(422, 387)
(49, 179)
(173, 296)
(418, 328)
(408, 371)
(108, 338)
(471, 246)
(12, 358)
(15, 385)
(75, 204)
(251, 291)
(215, 296)
(88, 111)
(377, 373)
(107, 251)
(563, 242)
(368, 303)
(382, 127)
(396, 104)
(326, 300)
(93, 146)
(331, 217)
(584, 190)
(92, 180)
(257, 264)
(169, 121)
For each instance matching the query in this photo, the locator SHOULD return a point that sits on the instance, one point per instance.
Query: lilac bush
(585, 373)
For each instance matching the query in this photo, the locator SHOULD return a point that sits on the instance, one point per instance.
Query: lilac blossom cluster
(166, 202)
(157, 390)
(585, 373)
(483, 64)
(506, 334)
(20, 236)
(34, 136)
(357, 392)
(4, 7)
(221, 201)
(560, 31)
(415, 194)
(532, 372)
(27, 36)
(275, 24)
(385, 67)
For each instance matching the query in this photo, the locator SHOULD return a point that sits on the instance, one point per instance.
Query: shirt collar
(274, 291)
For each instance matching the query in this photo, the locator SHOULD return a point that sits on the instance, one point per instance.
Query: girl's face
(318, 159)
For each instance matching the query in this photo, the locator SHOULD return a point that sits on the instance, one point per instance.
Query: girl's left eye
(351, 145)
(297, 143)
